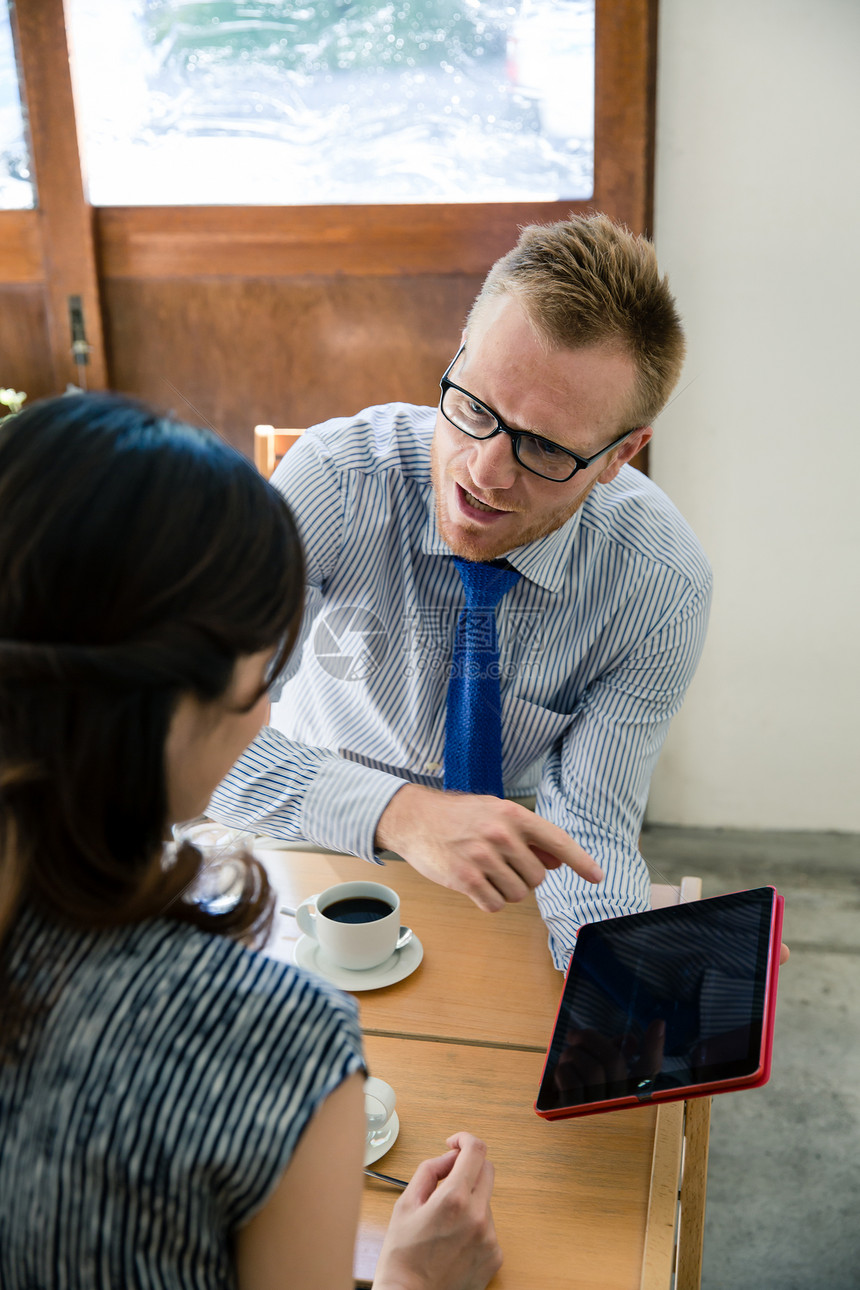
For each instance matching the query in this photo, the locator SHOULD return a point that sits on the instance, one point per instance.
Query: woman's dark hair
(139, 558)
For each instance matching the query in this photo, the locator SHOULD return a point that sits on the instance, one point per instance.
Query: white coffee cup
(379, 1103)
(350, 925)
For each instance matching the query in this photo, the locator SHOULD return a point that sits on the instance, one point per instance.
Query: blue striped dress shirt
(598, 642)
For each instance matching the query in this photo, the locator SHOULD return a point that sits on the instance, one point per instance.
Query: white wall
(757, 221)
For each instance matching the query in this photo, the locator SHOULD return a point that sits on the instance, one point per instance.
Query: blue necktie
(473, 729)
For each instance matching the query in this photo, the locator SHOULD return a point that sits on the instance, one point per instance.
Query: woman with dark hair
(176, 1109)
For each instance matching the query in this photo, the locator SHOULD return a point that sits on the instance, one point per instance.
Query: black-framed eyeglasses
(540, 456)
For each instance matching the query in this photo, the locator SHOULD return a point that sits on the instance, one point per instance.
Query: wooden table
(590, 1203)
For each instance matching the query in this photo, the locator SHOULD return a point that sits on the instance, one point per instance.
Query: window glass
(334, 101)
(16, 187)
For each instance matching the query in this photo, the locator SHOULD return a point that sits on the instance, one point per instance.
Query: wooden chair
(269, 447)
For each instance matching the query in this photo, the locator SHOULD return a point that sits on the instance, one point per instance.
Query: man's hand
(491, 850)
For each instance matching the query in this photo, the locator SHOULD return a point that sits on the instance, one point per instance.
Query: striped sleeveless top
(157, 1104)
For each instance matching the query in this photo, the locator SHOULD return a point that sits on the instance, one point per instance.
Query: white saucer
(401, 964)
(376, 1153)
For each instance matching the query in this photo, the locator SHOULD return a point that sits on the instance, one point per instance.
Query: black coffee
(358, 909)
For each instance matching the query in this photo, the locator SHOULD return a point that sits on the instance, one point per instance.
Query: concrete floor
(783, 1208)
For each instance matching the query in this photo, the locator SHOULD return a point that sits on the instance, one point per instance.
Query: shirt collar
(545, 562)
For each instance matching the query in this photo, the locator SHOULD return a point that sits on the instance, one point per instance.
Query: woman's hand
(441, 1235)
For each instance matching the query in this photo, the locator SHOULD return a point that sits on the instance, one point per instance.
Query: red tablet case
(754, 1080)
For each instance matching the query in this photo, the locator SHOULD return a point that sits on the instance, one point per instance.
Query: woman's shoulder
(234, 986)
(246, 1049)
(214, 1055)
(160, 980)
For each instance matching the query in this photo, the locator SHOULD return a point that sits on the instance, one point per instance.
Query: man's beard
(482, 547)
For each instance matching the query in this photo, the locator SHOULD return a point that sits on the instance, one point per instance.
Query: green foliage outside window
(330, 35)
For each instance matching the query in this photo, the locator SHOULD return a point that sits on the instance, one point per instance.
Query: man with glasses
(498, 605)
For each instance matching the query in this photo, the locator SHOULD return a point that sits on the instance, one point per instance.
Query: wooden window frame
(67, 246)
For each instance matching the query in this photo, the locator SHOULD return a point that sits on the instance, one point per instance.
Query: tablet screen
(662, 1000)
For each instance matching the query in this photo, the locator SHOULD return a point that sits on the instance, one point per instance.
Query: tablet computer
(668, 1004)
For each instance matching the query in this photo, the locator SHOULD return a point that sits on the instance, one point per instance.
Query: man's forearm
(297, 792)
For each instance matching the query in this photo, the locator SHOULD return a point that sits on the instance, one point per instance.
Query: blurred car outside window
(550, 62)
(196, 102)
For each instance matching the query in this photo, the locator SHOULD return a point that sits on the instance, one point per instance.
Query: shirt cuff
(567, 903)
(342, 806)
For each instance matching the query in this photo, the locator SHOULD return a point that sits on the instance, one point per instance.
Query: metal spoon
(403, 939)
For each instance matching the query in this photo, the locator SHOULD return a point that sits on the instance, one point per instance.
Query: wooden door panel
(25, 351)
(326, 241)
(20, 247)
(235, 352)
